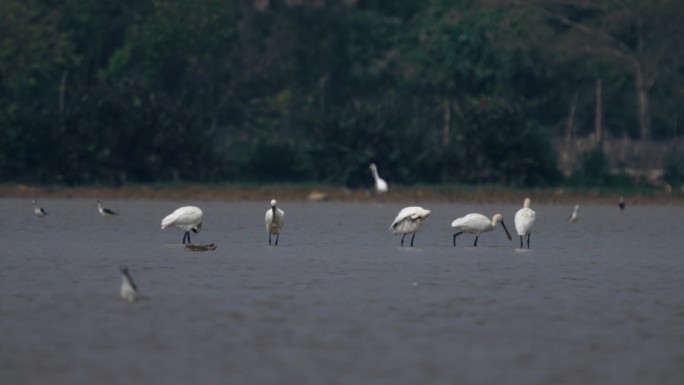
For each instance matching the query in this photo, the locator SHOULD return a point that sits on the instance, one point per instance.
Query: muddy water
(338, 301)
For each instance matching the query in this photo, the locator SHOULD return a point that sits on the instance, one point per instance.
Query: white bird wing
(183, 216)
(524, 220)
(472, 222)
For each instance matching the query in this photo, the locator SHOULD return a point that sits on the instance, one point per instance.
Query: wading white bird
(409, 221)
(129, 291)
(275, 219)
(575, 215)
(38, 210)
(477, 224)
(621, 203)
(105, 212)
(187, 218)
(380, 184)
(524, 221)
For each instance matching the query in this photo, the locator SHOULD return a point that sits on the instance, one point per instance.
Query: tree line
(434, 91)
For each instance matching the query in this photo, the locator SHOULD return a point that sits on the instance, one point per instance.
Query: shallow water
(338, 301)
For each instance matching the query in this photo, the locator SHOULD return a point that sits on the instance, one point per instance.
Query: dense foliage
(432, 91)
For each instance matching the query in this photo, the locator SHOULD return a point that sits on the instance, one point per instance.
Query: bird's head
(197, 228)
(273, 203)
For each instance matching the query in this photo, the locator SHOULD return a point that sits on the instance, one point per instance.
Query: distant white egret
(575, 215)
(38, 210)
(105, 212)
(524, 221)
(380, 184)
(409, 221)
(621, 203)
(129, 291)
(477, 224)
(187, 218)
(275, 219)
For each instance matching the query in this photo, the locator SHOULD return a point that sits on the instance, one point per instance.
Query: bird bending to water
(477, 224)
(129, 291)
(621, 203)
(105, 212)
(38, 210)
(524, 221)
(187, 218)
(380, 184)
(275, 219)
(409, 221)
(575, 215)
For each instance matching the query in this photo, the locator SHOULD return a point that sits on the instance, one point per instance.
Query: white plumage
(380, 184)
(575, 215)
(409, 221)
(38, 210)
(477, 224)
(129, 291)
(275, 219)
(187, 218)
(524, 221)
(104, 211)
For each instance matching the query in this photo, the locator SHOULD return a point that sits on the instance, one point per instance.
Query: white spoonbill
(524, 221)
(275, 219)
(380, 184)
(105, 212)
(575, 215)
(129, 291)
(409, 221)
(38, 210)
(187, 218)
(477, 224)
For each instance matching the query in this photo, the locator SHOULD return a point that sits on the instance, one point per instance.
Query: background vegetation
(433, 91)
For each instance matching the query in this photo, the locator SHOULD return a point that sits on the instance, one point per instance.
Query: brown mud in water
(447, 194)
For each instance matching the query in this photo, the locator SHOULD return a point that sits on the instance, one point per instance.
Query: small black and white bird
(275, 220)
(129, 291)
(38, 210)
(105, 212)
(575, 215)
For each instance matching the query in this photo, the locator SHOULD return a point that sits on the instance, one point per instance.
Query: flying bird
(477, 224)
(129, 291)
(38, 210)
(380, 184)
(187, 218)
(524, 221)
(575, 215)
(275, 219)
(105, 212)
(409, 221)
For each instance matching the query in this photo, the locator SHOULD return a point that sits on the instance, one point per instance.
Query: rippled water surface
(338, 301)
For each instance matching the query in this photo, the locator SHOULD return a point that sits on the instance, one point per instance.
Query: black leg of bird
(521, 241)
(402, 240)
(528, 240)
(277, 236)
(455, 235)
(476, 238)
(412, 238)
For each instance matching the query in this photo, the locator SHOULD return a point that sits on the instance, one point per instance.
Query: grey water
(600, 301)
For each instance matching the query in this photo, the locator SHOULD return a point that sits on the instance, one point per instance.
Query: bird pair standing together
(189, 219)
(410, 220)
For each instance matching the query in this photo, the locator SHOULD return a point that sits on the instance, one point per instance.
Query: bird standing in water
(477, 224)
(524, 221)
(38, 210)
(575, 215)
(275, 219)
(129, 291)
(409, 221)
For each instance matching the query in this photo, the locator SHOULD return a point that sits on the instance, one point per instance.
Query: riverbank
(301, 192)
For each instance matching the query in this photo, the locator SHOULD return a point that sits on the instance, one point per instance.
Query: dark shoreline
(295, 192)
